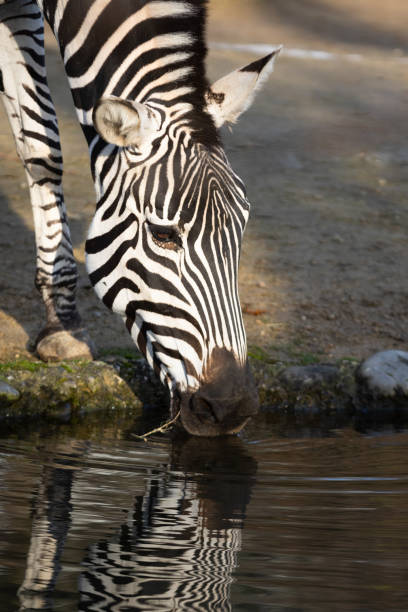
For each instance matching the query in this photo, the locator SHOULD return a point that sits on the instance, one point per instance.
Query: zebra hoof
(61, 345)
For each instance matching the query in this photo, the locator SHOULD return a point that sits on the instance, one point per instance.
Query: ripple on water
(284, 524)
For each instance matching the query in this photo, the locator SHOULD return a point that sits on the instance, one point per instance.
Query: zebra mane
(183, 19)
(204, 129)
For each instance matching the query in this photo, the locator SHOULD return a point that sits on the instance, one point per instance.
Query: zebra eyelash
(165, 236)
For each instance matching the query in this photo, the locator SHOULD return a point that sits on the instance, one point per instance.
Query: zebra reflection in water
(177, 549)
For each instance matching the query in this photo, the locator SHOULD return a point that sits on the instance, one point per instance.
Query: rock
(310, 390)
(308, 376)
(70, 387)
(62, 345)
(384, 375)
(8, 394)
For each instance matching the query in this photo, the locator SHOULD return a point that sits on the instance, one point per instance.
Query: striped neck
(143, 50)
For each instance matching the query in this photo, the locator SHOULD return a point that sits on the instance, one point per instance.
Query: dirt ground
(324, 153)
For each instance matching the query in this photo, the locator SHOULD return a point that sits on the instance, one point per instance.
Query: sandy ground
(324, 155)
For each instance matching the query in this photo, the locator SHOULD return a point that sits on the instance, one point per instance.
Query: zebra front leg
(31, 113)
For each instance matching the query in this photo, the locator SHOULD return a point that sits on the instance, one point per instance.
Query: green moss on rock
(63, 389)
(312, 388)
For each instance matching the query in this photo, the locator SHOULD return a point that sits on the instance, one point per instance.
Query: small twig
(162, 429)
(253, 311)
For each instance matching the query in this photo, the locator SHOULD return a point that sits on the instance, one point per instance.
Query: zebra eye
(165, 236)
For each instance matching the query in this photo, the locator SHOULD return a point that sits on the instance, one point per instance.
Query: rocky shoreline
(376, 389)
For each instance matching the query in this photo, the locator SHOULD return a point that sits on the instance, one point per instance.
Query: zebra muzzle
(224, 402)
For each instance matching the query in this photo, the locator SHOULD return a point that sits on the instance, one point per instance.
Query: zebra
(174, 552)
(164, 244)
(175, 548)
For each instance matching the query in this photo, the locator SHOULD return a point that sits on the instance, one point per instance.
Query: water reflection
(51, 519)
(177, 548)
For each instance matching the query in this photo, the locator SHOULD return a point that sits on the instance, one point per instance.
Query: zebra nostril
(203, 409)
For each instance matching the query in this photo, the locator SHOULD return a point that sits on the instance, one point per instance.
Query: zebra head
(164, 246)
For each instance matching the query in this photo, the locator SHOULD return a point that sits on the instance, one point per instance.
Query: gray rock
(385, 374)
(8, 393)
(309, 376)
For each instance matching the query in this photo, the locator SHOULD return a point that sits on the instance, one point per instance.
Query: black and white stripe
(30, 109)
(163, 247)
(165, 556)
(175, 548)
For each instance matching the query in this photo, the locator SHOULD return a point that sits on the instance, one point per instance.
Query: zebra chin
(226, 399)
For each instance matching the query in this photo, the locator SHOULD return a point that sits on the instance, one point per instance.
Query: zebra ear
(230, 96)
(123, 122)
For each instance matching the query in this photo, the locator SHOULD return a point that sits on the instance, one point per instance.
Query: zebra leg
(30, 109)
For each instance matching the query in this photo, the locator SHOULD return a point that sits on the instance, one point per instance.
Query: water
(262, 522)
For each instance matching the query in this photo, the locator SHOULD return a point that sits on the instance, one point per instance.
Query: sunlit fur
(179, 303)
